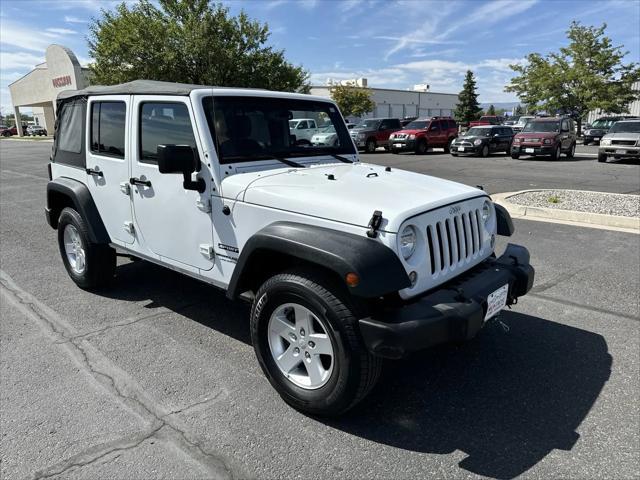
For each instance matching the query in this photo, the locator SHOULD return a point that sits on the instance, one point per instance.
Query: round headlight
(408, 241)
(477, 141)
(547, 141)
(486, 211)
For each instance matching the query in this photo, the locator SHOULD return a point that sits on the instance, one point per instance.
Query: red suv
(546, 136)
(423, 134)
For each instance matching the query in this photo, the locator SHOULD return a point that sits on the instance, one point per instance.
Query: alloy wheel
(74, 249)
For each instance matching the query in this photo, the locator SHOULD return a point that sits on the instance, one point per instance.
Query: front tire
(447, 147)
(421, 147)
(307, 342)
(556, 153)
(90, 265)
(572, 151)
(602, 158)
(485, 151)
(371, 146)
(515, 156)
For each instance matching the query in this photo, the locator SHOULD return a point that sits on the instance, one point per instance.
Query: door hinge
(128, 227)
(207, 250)
(204, 205)
(125, 188)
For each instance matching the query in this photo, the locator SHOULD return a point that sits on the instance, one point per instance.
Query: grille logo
(454, 210)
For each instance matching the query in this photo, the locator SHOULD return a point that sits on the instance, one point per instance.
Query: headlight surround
(546, 141)
(517, 140)
(605, 141)
(412, 137)
(486, 211)
(407, 241)
(477, 142)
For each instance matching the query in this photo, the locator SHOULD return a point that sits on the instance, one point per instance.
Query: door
(436, 134)
(107, 169)
(170, 221)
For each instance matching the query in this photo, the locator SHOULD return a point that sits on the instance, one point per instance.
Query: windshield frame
(211, 104)
(556, 123)
(622, 124)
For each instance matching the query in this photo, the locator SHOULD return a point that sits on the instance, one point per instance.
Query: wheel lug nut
(307, 354)
(312, 345)
(296, 350)
(292, 336)
(302, 332)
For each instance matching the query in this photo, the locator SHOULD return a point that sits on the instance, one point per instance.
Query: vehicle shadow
(505, 399)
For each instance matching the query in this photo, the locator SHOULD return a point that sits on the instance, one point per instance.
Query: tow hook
(374, 224)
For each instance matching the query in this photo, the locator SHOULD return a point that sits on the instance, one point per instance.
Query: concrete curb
(572, 216)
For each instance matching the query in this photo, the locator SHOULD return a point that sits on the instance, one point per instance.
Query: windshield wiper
(340, 157)
(291, 163)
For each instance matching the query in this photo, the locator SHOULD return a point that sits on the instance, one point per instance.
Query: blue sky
(395, 44)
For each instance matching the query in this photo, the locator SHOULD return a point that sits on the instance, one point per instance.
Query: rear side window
(452, 124)
(70, 129)
(164, 124)
(107, 128)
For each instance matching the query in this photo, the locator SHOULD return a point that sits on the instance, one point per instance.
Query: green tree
(491, 110)
(352, 101)
(188, 41)
(587, 74)
(468, 108)
(518, 110)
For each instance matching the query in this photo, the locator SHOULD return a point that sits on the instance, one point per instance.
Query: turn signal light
(352, 279)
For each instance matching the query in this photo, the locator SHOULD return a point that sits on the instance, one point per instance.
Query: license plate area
(398, 145)
(496, 301)
(529, 150)
(621, 152)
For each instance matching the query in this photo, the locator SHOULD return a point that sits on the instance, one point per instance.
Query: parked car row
(28, 130)
(594, 132)
(621, 141)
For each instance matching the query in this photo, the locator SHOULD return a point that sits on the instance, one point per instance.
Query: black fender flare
(64, 191)
(503, 220)
(378, 267)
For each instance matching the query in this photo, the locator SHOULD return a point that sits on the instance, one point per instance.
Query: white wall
(403, 103)
(634, 109)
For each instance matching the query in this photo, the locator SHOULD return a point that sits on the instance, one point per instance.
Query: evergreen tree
(491, 110)
(468, 108)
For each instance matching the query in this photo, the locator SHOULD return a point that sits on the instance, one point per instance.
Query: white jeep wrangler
(346, 263)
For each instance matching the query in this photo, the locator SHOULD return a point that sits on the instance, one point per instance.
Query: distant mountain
(505, 105)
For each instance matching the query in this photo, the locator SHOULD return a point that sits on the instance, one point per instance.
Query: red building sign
(61, 81)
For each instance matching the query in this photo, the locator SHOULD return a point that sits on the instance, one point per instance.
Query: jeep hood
(354, 193)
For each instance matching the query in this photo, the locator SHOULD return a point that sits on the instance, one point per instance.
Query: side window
(163, 124)
(108, 128)
(70, 130)
(312, 124)
(435, 127)
(302, 125)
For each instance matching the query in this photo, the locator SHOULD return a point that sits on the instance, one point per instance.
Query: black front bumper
(403, 145)
(537, 149)
(473, 150)
(454, 312)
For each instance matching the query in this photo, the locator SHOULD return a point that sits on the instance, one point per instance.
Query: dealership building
(39, 88)
(418, 102)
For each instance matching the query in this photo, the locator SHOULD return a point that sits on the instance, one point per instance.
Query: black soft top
(137, 87)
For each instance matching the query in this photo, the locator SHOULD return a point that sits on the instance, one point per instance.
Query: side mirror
(176, 159)
(180, 159)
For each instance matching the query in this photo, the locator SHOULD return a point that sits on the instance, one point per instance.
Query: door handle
(137, 181)
(95, 173)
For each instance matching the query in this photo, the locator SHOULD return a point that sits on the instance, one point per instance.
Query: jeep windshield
(478, 132)
(625, 127)
(248, 129)
(541, 127)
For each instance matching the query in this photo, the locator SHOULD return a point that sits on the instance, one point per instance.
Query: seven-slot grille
(623, 142)
(454, 241)
(531, 140)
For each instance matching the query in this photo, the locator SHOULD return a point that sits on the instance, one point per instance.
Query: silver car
(622, 141)
(33, 130)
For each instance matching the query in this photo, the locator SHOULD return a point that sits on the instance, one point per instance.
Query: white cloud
(308, 4)
(274, 4)
(10, 61)
(61, 31)
(71, 19)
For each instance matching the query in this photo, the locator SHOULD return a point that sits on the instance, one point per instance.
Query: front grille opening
(479, 223)
(430, 242)
(465, 234)
(459, 238)
(440, 246)
(449, 242)
(473, 226)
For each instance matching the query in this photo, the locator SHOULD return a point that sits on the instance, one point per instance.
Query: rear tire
(602, 158)
(283, 344)
(90, 265)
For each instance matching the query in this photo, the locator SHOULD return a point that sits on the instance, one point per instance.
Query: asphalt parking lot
(155, 377)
